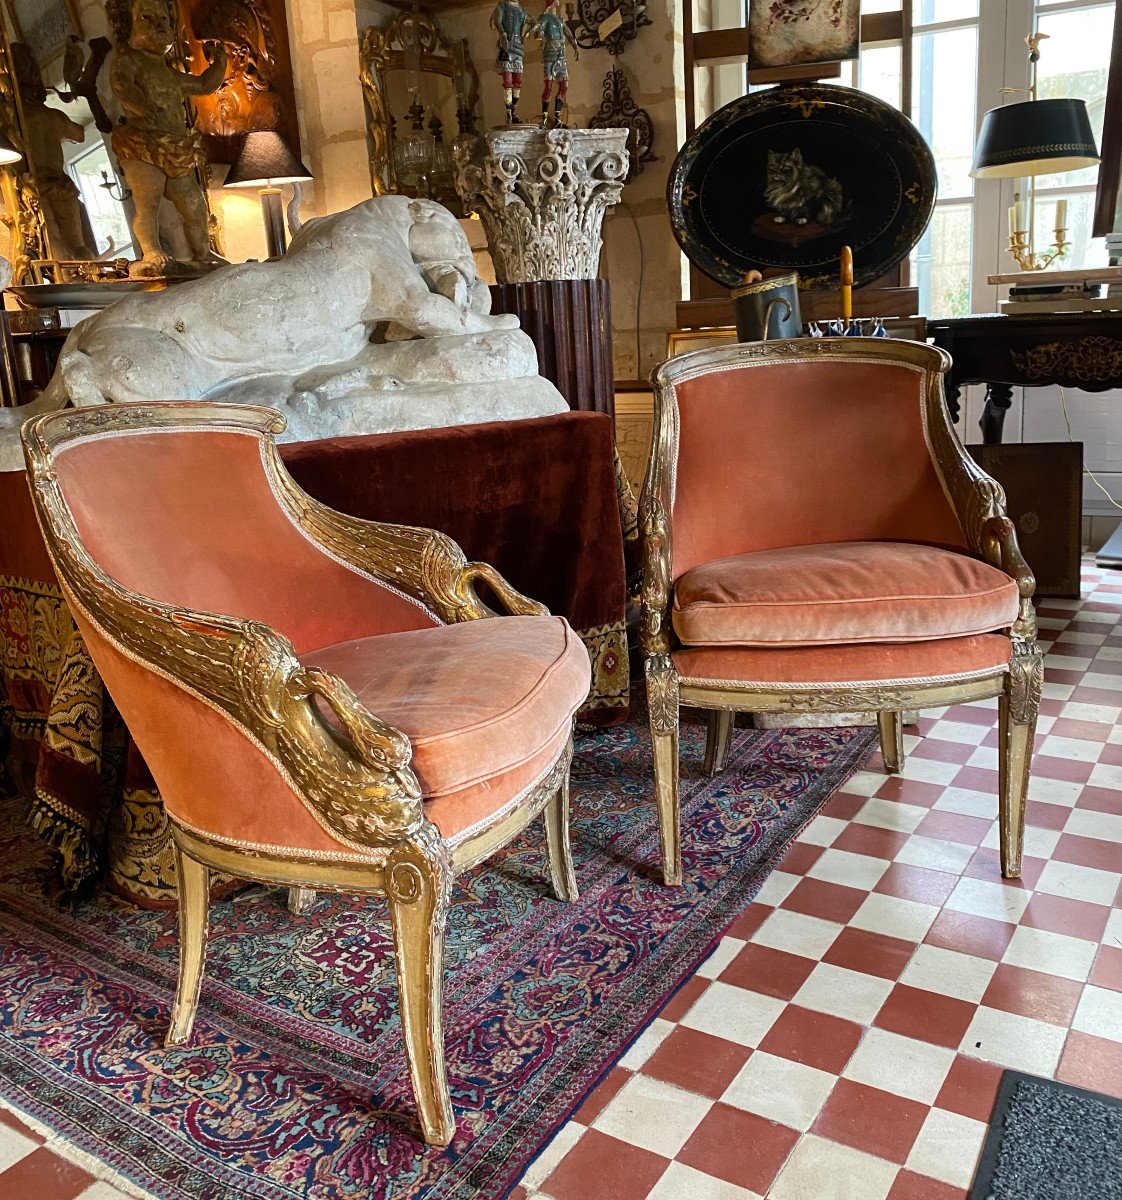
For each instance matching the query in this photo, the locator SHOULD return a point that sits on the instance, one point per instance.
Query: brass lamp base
(1029, 260)
(273, 214)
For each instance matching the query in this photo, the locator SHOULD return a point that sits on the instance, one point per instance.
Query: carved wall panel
(257, 91)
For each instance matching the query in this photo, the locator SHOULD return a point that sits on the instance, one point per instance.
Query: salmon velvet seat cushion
(841, 593)
(487, 705)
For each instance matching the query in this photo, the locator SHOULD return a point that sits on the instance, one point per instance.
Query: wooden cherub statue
(511, 22)
(158, 153)
(554, 33)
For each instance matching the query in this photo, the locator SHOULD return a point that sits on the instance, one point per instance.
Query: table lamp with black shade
(1034, 137)
(266, 163)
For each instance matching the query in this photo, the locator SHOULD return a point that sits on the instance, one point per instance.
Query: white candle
(1012, 219)
(1061, 214)
(1019, 216)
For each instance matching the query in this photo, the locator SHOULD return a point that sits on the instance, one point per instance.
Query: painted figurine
(157, 152)
(510, 22)
(554, 33)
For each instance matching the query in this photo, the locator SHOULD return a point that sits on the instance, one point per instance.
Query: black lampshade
(263, 159)
(1035, 137)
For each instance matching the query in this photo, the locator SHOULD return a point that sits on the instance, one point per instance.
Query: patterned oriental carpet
(295, 1084)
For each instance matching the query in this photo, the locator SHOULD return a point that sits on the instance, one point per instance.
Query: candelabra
(1021, 239)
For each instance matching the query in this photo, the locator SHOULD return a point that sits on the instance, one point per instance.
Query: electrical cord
(1086, 470)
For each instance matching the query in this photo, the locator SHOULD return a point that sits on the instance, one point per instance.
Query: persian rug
(295, 1084)
(1049, 1139)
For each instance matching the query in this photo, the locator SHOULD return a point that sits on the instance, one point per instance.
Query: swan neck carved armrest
(979, 503)
(422, 563)
(359, 781)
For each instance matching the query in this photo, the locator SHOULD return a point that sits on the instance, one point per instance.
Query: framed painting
(42, 25)
(786, 33)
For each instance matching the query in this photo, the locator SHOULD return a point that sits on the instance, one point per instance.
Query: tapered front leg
(418, 886)
(718, 740)
(891, 728)
(193, 885)
(662, 700)
(1017, 711)
(557, 841)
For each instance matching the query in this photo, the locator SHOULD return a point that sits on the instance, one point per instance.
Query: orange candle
(847, 284)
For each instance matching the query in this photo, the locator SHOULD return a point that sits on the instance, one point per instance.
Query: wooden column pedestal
(570, 323)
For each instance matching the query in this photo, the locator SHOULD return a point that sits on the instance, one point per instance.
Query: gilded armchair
(315, 695)
(817, 540)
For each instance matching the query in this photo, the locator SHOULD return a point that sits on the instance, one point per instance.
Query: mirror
(422, 95)
(64, 201)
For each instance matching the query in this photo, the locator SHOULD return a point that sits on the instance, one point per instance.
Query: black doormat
(1050, 1141)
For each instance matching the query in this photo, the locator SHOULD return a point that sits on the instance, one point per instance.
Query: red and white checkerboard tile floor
(845, 1039)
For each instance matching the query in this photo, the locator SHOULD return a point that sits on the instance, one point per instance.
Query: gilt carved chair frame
(979, 503)
(361, 785)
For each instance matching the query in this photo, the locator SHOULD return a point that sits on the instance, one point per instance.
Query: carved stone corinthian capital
(542, 194)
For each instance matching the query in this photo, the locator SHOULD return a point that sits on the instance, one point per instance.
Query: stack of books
(1043, 297)
(1114, 252)
(1062, 291)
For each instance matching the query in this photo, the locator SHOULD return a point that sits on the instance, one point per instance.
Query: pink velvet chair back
(190, 517)
(793, 450)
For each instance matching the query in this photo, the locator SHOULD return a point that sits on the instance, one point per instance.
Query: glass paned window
(107, 218)
(944, 67)
(1073, 63)
(928, 12)
(879, 73)
(941, 262)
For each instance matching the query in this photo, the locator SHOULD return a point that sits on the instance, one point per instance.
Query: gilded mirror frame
(23, 213)
(377, 57)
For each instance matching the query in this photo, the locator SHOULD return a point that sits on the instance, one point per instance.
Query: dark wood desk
(1075, 350)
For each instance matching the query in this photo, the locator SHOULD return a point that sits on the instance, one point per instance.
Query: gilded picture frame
(788, 33)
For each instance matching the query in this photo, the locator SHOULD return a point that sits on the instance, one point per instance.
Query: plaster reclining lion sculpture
(376, 320)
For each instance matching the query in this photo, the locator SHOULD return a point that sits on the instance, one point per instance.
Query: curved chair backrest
(787, 443)
(188, 504)
(158, 517)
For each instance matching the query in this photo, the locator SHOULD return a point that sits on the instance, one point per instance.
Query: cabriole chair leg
(418, 890)
(301, 900)
(718, 740)
(194, 904)
(891, 727)
(558, 845)
(1017, 710)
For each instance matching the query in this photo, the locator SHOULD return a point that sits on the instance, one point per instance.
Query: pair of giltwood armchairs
(322, 708)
